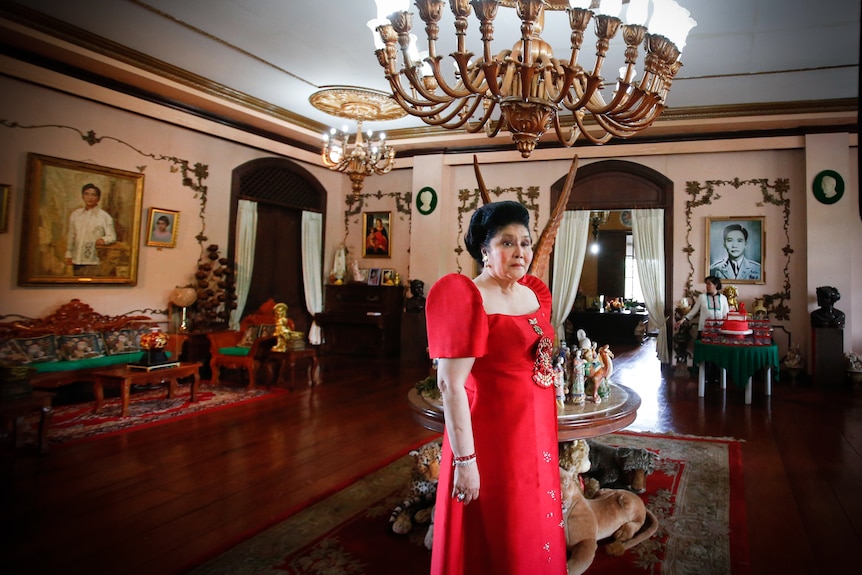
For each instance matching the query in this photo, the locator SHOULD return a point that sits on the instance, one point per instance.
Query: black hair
(93, 187)
(736, 228)
(487, 222)
(164, 219)
(714, 280)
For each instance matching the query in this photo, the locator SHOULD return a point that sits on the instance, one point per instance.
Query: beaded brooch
(543, 368)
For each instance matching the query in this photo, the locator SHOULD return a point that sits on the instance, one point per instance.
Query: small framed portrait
(4, 207)
(377, 232)
(162, 228)
(426, 200)
(387, 277)
(626, 218)
(82, 224)
(828, 187)
(735, 249)
(374, 277)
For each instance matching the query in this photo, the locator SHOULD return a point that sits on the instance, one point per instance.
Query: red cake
(735, 323)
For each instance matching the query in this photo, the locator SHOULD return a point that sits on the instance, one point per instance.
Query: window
(633, 284)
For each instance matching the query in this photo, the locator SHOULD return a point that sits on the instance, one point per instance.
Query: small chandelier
(365, 157)
(525, 89)
(597, 220)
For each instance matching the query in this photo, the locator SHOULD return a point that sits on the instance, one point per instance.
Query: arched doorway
(283, 190)
(621, 185)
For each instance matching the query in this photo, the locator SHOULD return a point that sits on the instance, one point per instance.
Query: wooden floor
(160, 500)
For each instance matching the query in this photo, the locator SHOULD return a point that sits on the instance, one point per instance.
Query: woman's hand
(466, 481)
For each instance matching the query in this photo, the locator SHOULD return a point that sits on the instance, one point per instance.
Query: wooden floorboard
(161, 499)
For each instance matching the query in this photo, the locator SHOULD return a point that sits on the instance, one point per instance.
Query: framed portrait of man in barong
(81, 223)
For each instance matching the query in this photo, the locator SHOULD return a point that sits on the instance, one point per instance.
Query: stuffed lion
(613, 513)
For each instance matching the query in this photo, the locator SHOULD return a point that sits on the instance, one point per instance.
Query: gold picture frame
(162, 226)
(5, 192)
(57, 237)
(377, 234)
(739, 240)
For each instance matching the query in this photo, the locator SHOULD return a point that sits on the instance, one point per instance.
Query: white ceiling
(282, 51)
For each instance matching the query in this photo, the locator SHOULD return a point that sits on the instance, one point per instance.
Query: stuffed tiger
(422, 490)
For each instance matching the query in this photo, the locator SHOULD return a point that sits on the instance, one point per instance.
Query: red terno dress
(516, 524)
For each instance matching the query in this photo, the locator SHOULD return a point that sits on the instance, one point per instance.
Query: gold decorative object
(525, 89)
(732, 295)
(286, 338)
(364, 157)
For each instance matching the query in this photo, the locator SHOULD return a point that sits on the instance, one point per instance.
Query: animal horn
(483, 190)
(545, 245)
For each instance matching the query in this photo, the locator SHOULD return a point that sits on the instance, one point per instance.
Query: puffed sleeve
(540, 288)
(455, 318)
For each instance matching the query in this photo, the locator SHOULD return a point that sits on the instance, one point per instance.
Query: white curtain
(648, 237)
(312, 269)
(246, 234)
(569, 251)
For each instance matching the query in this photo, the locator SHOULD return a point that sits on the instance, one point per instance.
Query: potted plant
(854, 367)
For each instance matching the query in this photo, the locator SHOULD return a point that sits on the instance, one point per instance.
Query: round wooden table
(576, 421)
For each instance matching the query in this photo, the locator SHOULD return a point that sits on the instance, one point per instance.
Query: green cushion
(240, 351)
(104, 361)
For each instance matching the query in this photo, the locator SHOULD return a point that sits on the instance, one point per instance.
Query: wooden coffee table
(125, 377)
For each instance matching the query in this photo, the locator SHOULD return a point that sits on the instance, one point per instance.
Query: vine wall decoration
(193, 175)
(771, 193)
(469, 202)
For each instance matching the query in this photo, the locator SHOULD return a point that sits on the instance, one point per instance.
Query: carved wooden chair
(247, 348)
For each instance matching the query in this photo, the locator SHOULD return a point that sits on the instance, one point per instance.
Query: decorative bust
(827, 315)
(417, 301)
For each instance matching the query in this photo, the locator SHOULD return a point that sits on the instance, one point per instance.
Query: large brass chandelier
(526, 89)
(364, 157)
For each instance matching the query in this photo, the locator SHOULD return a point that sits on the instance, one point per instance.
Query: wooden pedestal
(827, 355)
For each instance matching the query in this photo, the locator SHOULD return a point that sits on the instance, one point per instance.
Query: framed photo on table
(736, 249)
(377, 234)
(374, 277)
(81, 225)
(162, 228)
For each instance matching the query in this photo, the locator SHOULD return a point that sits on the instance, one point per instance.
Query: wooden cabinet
(360, 319)
(608, 327)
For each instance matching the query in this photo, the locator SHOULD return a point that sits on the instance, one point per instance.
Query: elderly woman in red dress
(498, 499)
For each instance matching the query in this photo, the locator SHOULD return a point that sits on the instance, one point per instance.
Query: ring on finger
(461, 497)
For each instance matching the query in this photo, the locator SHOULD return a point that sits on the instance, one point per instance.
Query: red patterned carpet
(77, 422)
(696, 493)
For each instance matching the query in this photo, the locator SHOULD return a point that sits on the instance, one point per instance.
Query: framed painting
(5, 192)
(374, 277)
(387, 277)
(736, 249)
(377, 232)
(162, 228)
(81, 224)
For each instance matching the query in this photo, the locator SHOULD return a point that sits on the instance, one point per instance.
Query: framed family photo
(736, 249)
(162, 228)
(377, 232)
(81, 224)
(374, 277)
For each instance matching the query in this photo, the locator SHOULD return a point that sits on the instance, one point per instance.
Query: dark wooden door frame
(621, 185)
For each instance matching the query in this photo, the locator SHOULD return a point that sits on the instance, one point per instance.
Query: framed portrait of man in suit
(735, 249)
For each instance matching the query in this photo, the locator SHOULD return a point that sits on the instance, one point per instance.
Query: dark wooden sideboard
(608, 327)
(360, 319)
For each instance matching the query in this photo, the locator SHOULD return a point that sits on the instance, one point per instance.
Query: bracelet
(463, 461)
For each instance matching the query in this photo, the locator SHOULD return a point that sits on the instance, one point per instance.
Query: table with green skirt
(741, 360)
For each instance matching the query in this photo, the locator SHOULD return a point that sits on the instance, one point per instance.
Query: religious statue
(827, 315)
(578, 393)
(282, 327)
